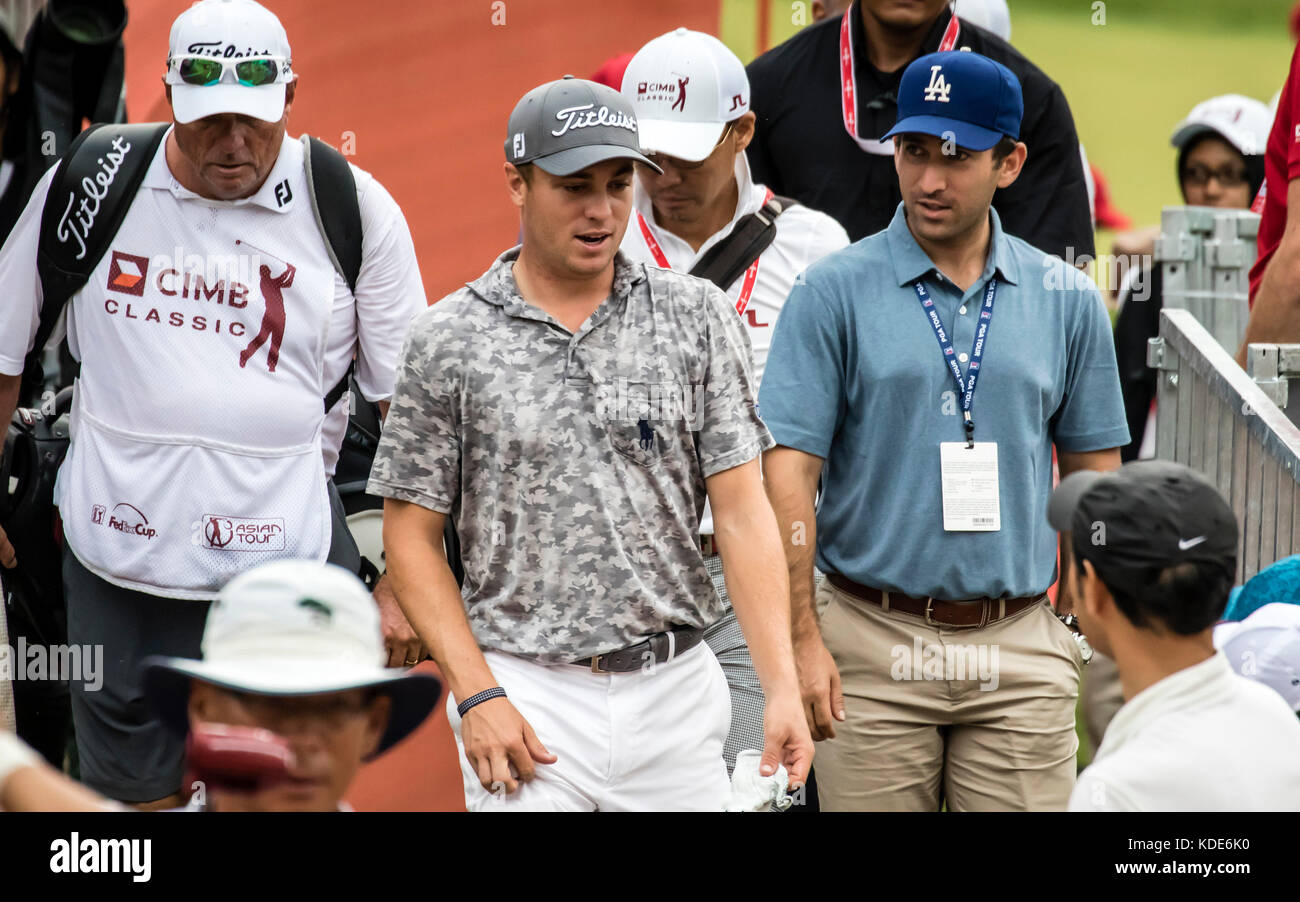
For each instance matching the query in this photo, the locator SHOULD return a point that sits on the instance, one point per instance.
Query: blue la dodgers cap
(959, 95)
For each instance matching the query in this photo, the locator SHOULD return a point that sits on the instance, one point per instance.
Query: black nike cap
(1147, 514)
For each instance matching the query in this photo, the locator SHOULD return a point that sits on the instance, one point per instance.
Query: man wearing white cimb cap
(230, 275)
(294, 648)
(705, 216)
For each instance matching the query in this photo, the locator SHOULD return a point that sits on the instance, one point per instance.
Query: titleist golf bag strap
(88, 199)
(97, 182)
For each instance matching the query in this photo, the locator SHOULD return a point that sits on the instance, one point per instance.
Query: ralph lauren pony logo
(647, 441)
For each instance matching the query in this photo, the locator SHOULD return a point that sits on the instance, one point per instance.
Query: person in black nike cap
(1155, 551)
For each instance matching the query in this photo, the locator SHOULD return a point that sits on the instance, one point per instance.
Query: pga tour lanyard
(849, 83)
(965, 387)
(751, 274)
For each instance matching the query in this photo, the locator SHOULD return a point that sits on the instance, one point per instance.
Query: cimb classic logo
(75, 855)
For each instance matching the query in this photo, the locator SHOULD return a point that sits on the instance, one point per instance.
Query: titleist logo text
(77, 225)
(586, 116)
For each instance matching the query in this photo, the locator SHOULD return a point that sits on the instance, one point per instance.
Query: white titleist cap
(685, 86)
(1243, 121)
(228, 32)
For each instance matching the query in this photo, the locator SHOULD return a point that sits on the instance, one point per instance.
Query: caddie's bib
(196, 430)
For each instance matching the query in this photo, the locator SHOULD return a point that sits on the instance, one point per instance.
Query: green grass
(1129, 84)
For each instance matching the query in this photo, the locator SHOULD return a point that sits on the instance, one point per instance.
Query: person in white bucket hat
(294, 647)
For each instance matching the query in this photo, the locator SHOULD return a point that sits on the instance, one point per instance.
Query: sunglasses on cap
(202, 71)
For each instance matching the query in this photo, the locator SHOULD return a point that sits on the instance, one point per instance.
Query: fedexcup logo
(586, 116)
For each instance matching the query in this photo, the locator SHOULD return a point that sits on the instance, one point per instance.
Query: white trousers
(650, 740)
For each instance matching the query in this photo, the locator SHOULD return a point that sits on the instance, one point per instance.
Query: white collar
(288, 162)
(1192, 687)
(749, 200)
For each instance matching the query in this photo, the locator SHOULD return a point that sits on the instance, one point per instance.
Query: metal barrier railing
(1205, 254)
(1213, 417)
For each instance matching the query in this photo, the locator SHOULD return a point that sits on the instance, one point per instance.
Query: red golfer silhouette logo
(218, 531)
(272, 316)
(680, 103)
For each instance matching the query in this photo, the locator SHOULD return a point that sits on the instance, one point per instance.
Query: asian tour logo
(222, 533)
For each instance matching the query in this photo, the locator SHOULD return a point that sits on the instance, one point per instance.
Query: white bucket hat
(292, 628)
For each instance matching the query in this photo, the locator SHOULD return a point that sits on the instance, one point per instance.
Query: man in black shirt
(844, 72)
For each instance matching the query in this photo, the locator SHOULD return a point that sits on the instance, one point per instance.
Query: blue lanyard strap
(965, 387)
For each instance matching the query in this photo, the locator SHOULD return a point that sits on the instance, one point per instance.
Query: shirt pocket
(646, 420)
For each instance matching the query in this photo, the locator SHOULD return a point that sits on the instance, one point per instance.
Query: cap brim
(1065, 499)
(167, 688)
(689, 141)
(963, 134)
(576, 159)
(191, 102)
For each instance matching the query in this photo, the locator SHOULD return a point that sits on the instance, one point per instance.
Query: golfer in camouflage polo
(571, 410)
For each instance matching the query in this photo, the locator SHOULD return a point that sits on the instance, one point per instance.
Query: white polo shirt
(803, 236)
(196, 451)
(1202, 739)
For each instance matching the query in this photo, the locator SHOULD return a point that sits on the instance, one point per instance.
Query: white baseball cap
(1244, 122)
(228, 31)
(291, 628)
(685, 86)
(1265, 647)
(991, 15)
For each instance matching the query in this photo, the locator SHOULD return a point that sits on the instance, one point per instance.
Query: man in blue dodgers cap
(938, 671)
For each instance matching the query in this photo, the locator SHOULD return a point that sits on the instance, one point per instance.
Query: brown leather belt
(975, 612)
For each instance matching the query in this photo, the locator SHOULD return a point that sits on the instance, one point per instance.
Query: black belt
(661, 648)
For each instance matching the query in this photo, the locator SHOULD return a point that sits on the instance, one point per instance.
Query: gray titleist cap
(565, 126)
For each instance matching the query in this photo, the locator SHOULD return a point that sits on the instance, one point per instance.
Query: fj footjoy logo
(519, 145)
(238, 533)
(283, 194)
(938, 88)
(127, 272)
(124, 517)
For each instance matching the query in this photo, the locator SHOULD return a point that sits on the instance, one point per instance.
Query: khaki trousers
(981, 719)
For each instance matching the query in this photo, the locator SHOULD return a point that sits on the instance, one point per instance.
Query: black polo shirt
(801, 150)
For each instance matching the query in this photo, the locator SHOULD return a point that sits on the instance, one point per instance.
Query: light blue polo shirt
(856, 376)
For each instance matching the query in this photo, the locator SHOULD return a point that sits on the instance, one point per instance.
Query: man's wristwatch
(1072, 623)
